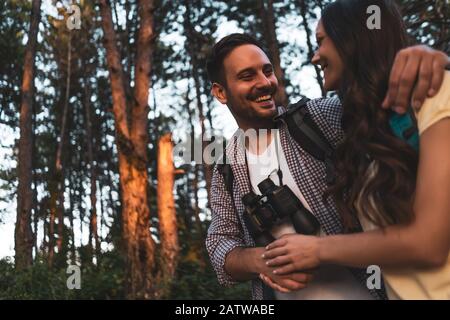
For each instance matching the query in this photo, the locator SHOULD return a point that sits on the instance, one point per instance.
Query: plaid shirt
(228, 231)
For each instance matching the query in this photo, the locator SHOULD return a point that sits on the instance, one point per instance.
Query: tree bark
(268, 20)
(23, 232)
(196, 209)
(193, 51)
(132, 139)
(36, 204)
(57, 191)
(320, 4)
(166, 211)
(72, 229)
(51, 224)
(94, 245)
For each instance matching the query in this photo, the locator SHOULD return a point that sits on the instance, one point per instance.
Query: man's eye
(246, 77)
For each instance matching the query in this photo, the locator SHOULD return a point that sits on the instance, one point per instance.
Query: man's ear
(219, 92)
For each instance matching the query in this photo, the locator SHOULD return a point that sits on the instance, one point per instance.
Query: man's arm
(225, 243)
(247, 263)
(242, 263)
(417, 73)
(225, 232)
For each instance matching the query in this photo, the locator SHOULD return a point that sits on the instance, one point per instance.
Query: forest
(94, 96)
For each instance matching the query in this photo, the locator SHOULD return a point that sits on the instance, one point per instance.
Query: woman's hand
(293, 252)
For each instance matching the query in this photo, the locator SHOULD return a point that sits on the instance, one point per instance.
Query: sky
(303, 77)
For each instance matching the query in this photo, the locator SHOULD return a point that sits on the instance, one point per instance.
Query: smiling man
(251, 102)
(243, 79)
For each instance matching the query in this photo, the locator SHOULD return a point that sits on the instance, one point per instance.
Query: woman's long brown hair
(375, 171)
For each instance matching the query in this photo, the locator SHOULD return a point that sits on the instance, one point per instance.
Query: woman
(400, 196)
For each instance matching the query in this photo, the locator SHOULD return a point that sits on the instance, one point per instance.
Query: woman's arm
(424, 242)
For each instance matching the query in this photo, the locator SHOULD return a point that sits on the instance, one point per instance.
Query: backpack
(404, 127)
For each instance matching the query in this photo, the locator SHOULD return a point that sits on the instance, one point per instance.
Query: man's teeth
(263, 98)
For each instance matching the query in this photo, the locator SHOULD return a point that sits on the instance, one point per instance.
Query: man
(243, 79)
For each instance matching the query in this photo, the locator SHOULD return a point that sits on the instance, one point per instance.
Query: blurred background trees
(88, 118)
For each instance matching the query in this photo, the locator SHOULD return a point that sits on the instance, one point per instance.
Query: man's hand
(417, 73)
(246, 263)
(286, 283)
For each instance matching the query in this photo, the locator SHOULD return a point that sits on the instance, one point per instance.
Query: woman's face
(328, 58)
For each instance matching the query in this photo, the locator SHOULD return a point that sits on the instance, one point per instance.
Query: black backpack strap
(308, 135)
(227, 174)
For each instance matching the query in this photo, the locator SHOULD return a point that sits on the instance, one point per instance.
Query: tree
(196, 50)
(23, 234)
(166, 211)
(131, 122)
(303, 12)
(267, 16)
(428, 22)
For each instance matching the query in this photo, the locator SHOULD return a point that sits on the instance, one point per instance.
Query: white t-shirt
(331, 282)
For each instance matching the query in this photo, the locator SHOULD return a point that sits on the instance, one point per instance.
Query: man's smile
(264, 98)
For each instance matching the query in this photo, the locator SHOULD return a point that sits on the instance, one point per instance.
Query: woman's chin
(330, 85)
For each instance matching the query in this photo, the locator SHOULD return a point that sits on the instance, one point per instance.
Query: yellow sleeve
(435, 108)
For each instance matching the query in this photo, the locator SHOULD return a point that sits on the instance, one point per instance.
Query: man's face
(250, 85)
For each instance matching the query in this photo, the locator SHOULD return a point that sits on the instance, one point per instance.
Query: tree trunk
(36, 205)
(268, 20)
(72, 229)
(303, 12)
(35, 217)
(93, 229)
(51, 225)
(196, 209)
(60, 179)
(23, 232)
(132, 139)
(193, 49)
(198, 222)
(102, 212)
(320, 4)
(166, 211)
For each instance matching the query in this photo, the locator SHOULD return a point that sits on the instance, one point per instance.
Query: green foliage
(105, 281)
(102, 281)
(14, 20)
(38, 282)
(196, 282)
(428, 22)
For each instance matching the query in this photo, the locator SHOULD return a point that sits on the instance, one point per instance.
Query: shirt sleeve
(435, 108)
(225, 232)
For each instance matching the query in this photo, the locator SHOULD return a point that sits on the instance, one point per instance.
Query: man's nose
(263, 81)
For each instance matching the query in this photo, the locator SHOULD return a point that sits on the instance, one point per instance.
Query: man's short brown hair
(218, 53)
